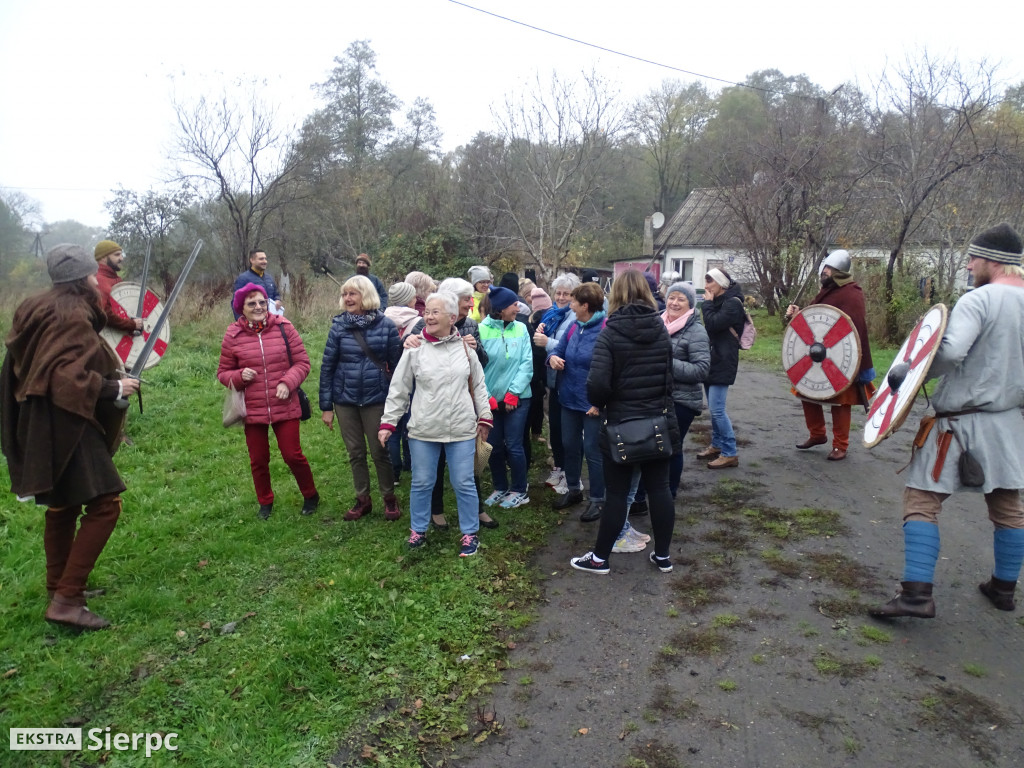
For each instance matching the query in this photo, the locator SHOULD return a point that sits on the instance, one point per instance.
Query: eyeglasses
(255, 304)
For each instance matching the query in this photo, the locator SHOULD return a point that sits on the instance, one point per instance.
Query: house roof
(702, 220)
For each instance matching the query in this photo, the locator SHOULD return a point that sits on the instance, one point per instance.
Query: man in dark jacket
(363, 268)
(840, 291)
(59, 426)
(257, 273)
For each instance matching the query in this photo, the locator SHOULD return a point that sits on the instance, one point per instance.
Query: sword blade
(145, 278)
(147, 349)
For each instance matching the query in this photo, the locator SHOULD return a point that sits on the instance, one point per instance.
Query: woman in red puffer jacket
(254, 357)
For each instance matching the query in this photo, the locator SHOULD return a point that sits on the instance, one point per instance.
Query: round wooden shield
(821, 352)
(124, 300)
(895, 397)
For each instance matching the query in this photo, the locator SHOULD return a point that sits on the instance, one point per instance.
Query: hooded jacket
(723, 312)
(266, 353)
(509, 358)
(576, 347)
(630, 374)
(347, 375)
(691, 362)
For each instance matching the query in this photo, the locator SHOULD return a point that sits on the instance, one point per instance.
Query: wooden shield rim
(921, 371)
(114, 337)
(856, 338)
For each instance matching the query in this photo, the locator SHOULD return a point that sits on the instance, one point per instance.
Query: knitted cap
(104, 248)
(652, 283)
(478, 273)
(400, 294)
(539, 299)
(238, 301)
(510, 280)
(66, 263)
(719, 277)
(363, 257)
(588, 276)
(686, 289)
(501, 298)
(1000, 244)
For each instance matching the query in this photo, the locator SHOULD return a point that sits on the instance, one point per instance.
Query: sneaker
(562, 488)
(588, 563)
(417, 540)
(515, 499)
(470, 544)
(494, 498)
(627, 543)
(634, 533)
(556, 477)
(663, 564)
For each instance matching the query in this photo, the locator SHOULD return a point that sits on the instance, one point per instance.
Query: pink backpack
(749, 335)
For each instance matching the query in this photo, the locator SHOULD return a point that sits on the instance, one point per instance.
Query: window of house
(684, 267)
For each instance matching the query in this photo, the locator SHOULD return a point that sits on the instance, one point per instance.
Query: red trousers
(814, 415)
(257, 439)
(71, 555)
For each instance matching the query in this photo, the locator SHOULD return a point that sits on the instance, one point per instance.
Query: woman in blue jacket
(581, 421)
(362, 351)
(507, 374)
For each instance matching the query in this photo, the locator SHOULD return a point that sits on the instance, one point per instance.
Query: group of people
(460, 365)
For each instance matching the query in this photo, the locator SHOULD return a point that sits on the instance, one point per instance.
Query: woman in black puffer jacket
(724, 313)
(631, 375)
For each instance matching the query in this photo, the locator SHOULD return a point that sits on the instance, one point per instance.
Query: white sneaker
(638, 536)
(627, 543)
(556, 477)
(494, 498)
(515, 499)
(562, 488)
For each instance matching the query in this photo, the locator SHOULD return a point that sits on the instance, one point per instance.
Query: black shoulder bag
(637, 439)
(305, 410)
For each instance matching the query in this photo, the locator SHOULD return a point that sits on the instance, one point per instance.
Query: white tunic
(980, 363)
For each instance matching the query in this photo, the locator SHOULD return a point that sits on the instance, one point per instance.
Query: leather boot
(363, 506)
(915, 599)
(58, 538)
(94, 529)
(391, 510)
(1000, 593)
(73, 613)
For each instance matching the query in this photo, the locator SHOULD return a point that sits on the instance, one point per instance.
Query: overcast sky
(86, 87)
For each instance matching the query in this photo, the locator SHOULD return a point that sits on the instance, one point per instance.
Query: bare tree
(154, 217)
(236, 151)
(556, 144)
(927, 128)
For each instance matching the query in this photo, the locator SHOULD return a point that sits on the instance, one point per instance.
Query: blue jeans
(580, 435)
(685, 418)
(425, 455)
(507, 438)
(722, 436)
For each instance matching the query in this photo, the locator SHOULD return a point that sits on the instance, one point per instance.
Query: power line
(621, 53)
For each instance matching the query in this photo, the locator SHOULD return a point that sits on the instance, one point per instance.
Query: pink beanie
(539, 300)
(241, 293)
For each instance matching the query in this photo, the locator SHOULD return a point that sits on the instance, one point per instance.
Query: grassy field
(293, 642)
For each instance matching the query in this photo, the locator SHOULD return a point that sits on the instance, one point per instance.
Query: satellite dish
(658, 220)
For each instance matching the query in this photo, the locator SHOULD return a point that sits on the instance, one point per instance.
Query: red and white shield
(895, 397)
(821, 352)
(124, 301)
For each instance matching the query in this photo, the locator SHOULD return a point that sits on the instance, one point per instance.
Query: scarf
(553, 318)
(678, 324)
(364, 320)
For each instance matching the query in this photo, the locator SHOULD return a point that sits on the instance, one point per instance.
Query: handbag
(305, 412)
(234, 407)
(640, 438)
(749, 335)
(483, 448)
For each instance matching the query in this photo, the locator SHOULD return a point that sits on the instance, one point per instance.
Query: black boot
(915, 599)
(1000, 593)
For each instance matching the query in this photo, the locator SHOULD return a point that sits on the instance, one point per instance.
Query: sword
(147, 348)
(145, 277)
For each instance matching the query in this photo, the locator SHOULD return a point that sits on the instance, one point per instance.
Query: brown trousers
(1004, 506)
(359, 426)
(71, 555)
(814, 416)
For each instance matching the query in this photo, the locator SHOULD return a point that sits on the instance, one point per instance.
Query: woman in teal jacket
(507, 375)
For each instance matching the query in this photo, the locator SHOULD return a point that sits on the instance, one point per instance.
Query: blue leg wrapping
(1008, 544)
(921, 550)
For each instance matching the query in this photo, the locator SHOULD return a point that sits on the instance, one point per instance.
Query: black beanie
(1000, 244)
(588, 276)
(510, 280)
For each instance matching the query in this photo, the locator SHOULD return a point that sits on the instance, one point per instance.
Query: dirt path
(757, 651)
